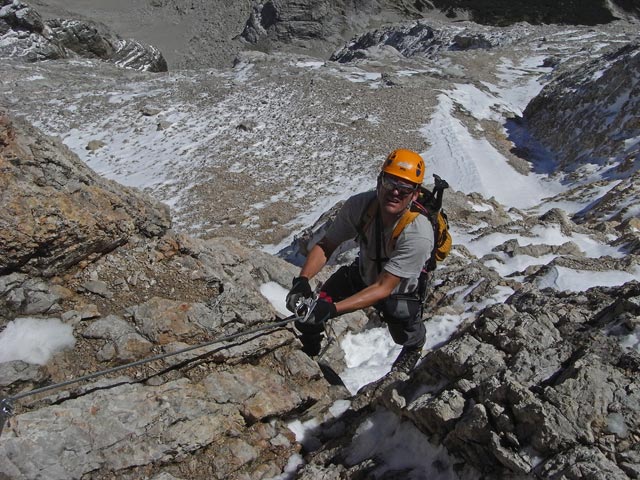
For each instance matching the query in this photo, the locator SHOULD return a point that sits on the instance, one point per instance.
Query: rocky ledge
(540, 387)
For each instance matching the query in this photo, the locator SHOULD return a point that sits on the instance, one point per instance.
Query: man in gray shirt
(387, 270)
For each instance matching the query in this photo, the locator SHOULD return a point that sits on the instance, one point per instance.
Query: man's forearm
(363, 299)
(371, 295)
(317, 258)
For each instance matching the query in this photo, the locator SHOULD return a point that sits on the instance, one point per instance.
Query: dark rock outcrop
(423, 38)
(507, 12)
(300, 23)
(19, 16)
(80, 37)
(90, 40)
(26, 35)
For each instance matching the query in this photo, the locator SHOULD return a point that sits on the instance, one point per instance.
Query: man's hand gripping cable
(304, 308)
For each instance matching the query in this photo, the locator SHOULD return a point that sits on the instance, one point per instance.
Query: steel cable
(6, 404)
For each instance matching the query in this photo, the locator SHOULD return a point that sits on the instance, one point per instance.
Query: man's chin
(392, 207)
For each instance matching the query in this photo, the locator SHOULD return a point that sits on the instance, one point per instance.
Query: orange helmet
(405, 164)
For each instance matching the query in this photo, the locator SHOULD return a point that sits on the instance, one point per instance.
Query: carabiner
(6, 411)
(306, 306)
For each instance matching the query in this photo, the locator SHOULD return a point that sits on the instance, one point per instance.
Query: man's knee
(401, 308)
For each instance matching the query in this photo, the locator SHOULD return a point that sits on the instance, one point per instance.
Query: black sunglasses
(391, 184)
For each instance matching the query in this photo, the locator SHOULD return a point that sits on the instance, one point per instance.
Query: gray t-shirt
(413, 246)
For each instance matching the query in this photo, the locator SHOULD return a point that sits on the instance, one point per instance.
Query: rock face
(421, 38)
(298, 21)
(100, 258)
(24, 34)
(56, 211)
(598, 98)
(535, 353)
(87, 40)
(600, 101)
(538, 387)
(215, 412)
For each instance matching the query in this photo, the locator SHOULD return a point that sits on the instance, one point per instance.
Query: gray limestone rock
(113, 427)
(164, 321)
(18, 371)
(125, 344)
(540, 386)
(581, 462)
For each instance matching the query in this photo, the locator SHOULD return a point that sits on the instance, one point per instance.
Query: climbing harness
(6, 404)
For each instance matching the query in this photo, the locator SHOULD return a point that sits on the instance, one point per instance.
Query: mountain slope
(533, 336)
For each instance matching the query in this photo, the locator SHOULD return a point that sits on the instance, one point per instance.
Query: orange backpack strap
(408, 217)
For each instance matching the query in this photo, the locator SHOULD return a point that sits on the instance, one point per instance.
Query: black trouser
(401, 312)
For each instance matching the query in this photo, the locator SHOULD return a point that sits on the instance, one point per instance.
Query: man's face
(395, 194)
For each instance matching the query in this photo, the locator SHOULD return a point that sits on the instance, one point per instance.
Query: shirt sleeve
(345, 226)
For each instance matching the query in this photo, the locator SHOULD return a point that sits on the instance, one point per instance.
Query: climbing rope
(6, 404)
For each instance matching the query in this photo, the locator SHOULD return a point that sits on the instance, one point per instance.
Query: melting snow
(34, 340)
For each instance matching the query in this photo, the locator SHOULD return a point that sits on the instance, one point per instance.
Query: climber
(385, 274)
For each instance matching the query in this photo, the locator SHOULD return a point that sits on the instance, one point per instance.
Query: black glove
(322, 312)
(299, 291)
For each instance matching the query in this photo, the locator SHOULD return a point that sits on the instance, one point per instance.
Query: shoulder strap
(379, 239)
(407, 217)
(367, 218)
(370, 215)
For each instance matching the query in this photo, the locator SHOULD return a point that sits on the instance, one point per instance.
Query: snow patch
(34, 340)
